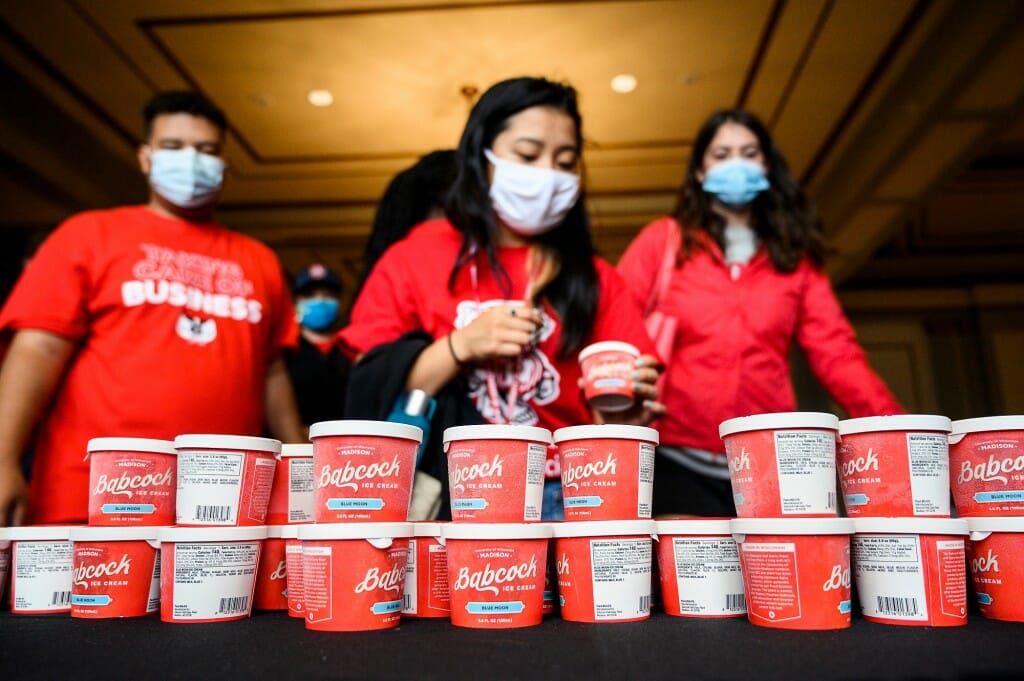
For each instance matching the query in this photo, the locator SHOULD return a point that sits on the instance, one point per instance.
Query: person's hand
(13, 495)
(646, 407)
(501, 331)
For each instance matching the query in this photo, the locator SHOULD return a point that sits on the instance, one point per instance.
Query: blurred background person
(737, 269)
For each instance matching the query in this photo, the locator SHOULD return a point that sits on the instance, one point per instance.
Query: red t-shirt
(408, 290)
(175, 323)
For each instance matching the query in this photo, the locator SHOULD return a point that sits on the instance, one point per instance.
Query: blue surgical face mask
(317, 313)
(735, 182)
(185, 177)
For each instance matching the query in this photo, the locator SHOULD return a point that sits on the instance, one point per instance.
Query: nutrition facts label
(209, 486)
(929, 472)
(536, 457)
(646, 480)
(436, 570)
(293, 557)
(806, 463)
(317, 578)
(153, 602)
(42, 576)
(300, 490)
(889, 576)
(262, 482)
(214, 581)
(708, 576)
(622, 570)
(773, 592)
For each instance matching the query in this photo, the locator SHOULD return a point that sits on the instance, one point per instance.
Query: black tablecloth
(271, 645)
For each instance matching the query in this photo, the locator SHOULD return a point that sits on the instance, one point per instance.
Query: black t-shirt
(320, 381)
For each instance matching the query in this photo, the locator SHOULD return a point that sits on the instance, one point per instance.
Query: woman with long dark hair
(738, 267)
(507, 285)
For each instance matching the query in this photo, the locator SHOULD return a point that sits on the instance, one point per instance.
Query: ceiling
(903, 118)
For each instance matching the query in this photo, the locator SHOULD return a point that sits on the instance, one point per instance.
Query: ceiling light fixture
(624, 82)
(320, 97)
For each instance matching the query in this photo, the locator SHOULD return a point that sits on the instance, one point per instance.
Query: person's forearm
(282, 411)
(28, 377)
(435, 367)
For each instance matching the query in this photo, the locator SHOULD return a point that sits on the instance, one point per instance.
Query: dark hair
(573, 292)
(783, 217)
(409, 199)
(181, 101)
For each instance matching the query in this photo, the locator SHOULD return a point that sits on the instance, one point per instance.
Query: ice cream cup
(353, 575)
(363, 470)
(208, 574)
(5, 561)
(895, 466)
(607, 369)
(996, 552)
(699, 568)
(271, 591)
(291, 497)
(224, 480)
(426, 575)
(796, 571)
(782, 465)
(496, 472)
(41, 568)
(116, 572)
(549, 606)
(607, 471)
(986, 459)
(293, 566)
(496, 573)
(132, 481)
(911, 571)
(604, 570)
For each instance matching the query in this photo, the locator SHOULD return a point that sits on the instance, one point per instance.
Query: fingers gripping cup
(700, 568)
(893, 466)
(607, 369)
(224, 480)
(41, 568)
(782, 465)
(363, 470)
(986, 457)
(291, 498)
(116, 572)
(496, 472)
(997, 566)
(132, 481)
(607, 471)
(353, 575)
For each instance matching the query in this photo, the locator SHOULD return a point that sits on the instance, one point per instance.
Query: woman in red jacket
(745, 248)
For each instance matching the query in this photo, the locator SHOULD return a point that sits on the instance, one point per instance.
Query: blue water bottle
(415, 408)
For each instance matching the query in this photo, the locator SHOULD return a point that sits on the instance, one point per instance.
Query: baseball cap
(317, 275)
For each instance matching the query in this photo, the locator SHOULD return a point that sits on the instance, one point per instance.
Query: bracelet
(451, 349)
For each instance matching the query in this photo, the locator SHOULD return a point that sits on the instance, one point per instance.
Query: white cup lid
(602, 528)
(783, 526)
(496, 432)
(211, 534)
(609, 430)
(910, 526)
(685, 526)
(130, 444)
(114, 533)
(996, 524)
(40, 532)
(606, 346)
(792, 420)
(288, 450)
(231, 442)
(283, 531)
(988, 423)
(496, 530)
(362, 427)
(328, 531)
(908, 422)
(426, 529)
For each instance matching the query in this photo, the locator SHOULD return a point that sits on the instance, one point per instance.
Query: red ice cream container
(115, 572)
(132, 481)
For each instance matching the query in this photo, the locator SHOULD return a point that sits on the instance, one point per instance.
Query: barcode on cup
(406, 601)
(220, 514)
(233, 605)
(645, 603)
(735, 602)
(61, 598)
(897, 606)
(830, 503)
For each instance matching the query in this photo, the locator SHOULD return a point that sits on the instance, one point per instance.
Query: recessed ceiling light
(320, 97)
(624, 82)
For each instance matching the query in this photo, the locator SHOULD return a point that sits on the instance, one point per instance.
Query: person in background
(318, 368)
(745, 251)
(142, 321)
(506, 289)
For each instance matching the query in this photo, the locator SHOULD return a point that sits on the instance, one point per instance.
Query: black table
(271, 645)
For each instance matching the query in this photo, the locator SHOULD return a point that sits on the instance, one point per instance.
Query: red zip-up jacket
(736, 324)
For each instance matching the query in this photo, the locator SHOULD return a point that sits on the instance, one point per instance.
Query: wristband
(451, 349)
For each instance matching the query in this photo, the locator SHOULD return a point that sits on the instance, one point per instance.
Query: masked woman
(507, 286)
(738, 268)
